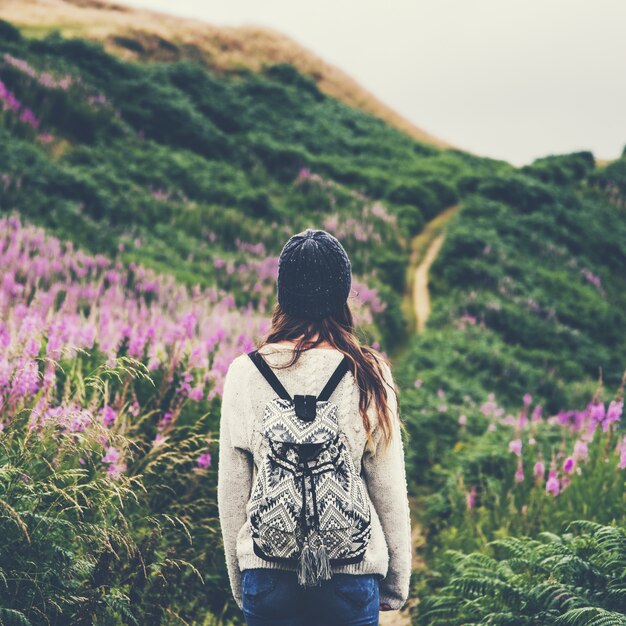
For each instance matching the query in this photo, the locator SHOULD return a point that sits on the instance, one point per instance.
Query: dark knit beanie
(314, 275)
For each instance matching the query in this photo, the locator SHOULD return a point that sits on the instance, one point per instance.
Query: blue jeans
(272, 597)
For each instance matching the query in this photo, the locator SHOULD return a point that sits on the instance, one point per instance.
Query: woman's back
(242, 448)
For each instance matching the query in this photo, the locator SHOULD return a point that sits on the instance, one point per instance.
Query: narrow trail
(416, 299)
(416, 308)
(424, 250)
(421, 297)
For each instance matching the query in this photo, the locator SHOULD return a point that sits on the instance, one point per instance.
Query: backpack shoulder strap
(336, 376)
(269, 374)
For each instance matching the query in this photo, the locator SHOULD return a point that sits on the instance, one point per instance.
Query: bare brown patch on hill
(144, 34)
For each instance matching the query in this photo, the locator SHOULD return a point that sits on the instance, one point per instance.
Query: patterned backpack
(308, 505)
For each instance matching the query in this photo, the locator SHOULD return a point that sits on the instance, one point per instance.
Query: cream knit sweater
(242, 446)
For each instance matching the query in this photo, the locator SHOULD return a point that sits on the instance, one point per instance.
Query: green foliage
(430, 195)
(167, 158)
(528, 295)
(9, 33)
(547, 282)
(390, 322)
(82, 545)
(288, 74)
(561, 169)
(522, 194)
(611, 180)
(573, 578)
(65, 521)
(411, 218)
(481, 461)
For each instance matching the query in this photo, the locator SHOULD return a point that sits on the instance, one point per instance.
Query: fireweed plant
(110, 383)
(102, 522)
(232, 153)
(64, 500)
(528, 472)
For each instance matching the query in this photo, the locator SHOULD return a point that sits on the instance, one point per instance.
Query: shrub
(572, 579)
(411, 218)
(523, 193)
(520, 474)
(415, 194)
(69, 547)
(561, 169)
(8, 32)
(288, 74)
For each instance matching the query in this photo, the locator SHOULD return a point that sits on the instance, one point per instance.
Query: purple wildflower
(470, 498)
(536, 415)
(598, 412)
(613, 414)
(580, 450)
(204, 460)
(197, 393)
(552, 484)
(167, 418)
(112, 455)
(515, 446)
(488, 407)
(115, 470)
(109, 415)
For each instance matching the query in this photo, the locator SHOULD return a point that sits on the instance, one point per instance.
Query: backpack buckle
(305, 406)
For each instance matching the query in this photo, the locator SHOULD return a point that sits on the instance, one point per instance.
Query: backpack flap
(303, 419)
(282, 425)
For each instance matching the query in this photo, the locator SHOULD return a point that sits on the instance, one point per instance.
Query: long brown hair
(338, 330)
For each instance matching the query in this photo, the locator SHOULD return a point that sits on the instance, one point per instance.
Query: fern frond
(10, 617)
(591, 616)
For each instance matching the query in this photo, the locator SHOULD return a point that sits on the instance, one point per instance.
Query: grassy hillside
(522, 360)
(143, 210)
(133, 33)
(528, 296)
(180, 167)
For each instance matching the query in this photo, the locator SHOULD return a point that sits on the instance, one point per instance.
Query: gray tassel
(323, 564)
(305, 570)
(314, 564)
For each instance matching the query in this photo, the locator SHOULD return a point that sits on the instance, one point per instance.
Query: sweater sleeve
(235, 470)
(385, 476)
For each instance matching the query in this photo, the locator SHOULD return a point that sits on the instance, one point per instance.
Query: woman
(312, 332)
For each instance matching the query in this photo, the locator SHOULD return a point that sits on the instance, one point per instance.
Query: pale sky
(508, 79)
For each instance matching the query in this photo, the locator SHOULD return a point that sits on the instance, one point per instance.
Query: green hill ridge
(185, 170)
